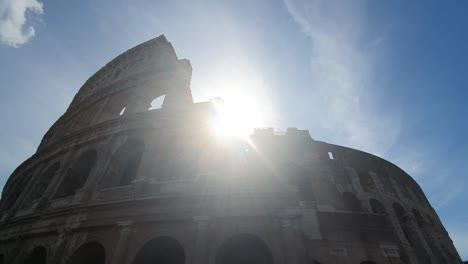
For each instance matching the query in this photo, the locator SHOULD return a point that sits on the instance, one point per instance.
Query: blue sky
(386, 77)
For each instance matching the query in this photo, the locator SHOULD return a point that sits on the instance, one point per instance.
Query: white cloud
(342, 74)
(13, 20)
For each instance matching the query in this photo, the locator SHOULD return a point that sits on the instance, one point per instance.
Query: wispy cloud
(342, 66)
(342, 69)
(13, 20)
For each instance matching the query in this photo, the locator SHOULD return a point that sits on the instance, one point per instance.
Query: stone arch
(325, 190)
(244, 249)
(366, 181)
(77, 175)
(312, 261)
(124, 163)
(404, 219)
(427, 233)
(163, 249)
(351, 202)
(86, 117)
(157, 102)
(88, 253)
(377, 207)
(37, 255)
(12, 192)
(115, 106)
(180, 161)
(123, 110)
(300, 178)
(400, 214)
(43, 181)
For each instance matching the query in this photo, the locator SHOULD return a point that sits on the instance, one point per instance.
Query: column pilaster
(120, 251)
(201, 249)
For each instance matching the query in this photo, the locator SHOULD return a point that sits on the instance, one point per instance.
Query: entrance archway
(37, 256)
(164, 250)
(244, 249)
(89, 253)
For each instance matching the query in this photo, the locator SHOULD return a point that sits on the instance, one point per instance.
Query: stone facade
(115, 182)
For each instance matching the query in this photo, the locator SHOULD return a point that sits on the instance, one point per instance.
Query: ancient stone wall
(157, 186)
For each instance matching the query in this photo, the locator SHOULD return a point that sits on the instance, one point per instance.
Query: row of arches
(238, 249)
(121, 170)
(374, 173)
(408, 222)
(117, 105)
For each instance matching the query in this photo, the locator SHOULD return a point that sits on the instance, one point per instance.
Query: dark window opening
(37, 256)
(400, 213)
(89, 253)
(77, 175)
(124, 164)
(244, 249)
(351, 202)
(11, 195)
(161, 250)
(377, 207)
(130, 170)
(43, 182)
(366, 181)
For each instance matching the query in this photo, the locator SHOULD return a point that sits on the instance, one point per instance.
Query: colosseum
(117, 180)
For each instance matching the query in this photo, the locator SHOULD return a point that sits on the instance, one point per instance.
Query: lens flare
(236, 119)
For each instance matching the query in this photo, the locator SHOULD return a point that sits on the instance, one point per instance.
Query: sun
(236, 117)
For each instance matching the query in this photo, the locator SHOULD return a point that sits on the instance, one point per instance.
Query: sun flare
(236, 117)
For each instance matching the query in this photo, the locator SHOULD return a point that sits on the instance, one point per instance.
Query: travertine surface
(114, 182)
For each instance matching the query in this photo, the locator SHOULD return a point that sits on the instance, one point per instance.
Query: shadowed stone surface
(116, 181)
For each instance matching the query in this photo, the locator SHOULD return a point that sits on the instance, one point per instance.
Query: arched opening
(377, 207)
(124, 164)
(89, 253)
(123, 110)
(161, 250)
(157, 102)
(37, 256)
(244, 249)
(427, 233)
(78, 174)
(409, 232)
(366, 181)
(351, 202)
(85, 118)
(400, 214)
(302, 179)
(312, 261)
(116, 106)
(180, 161)
(43, 182)
(12, 192)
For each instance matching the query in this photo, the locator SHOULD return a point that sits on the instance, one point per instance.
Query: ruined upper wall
(128, 84)
(154, 57)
